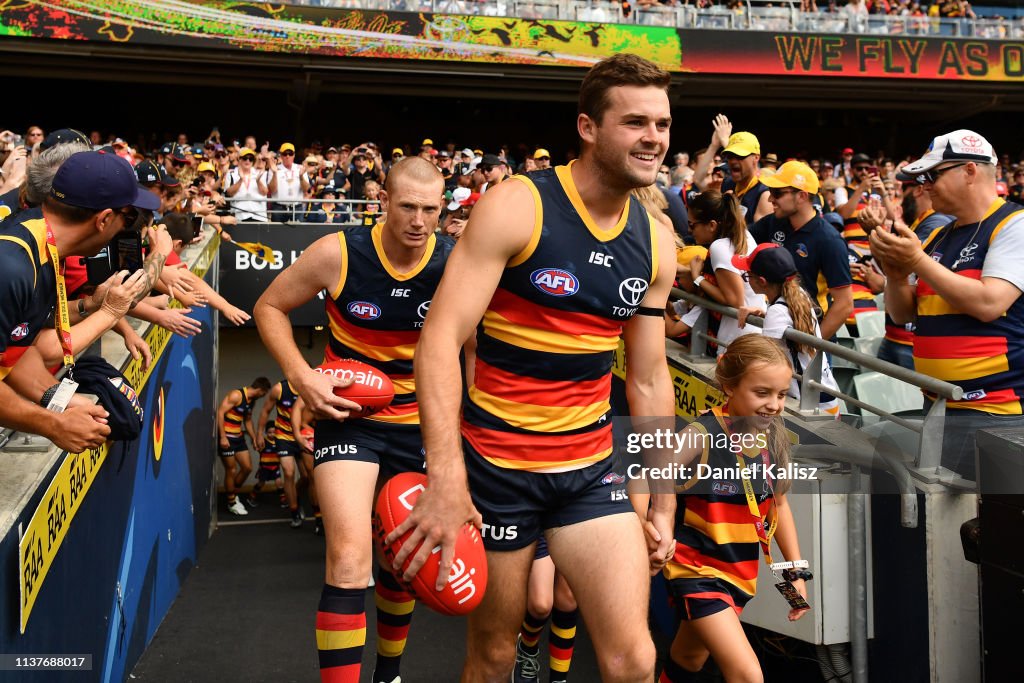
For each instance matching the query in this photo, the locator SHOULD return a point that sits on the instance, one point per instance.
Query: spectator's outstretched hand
(723, 131)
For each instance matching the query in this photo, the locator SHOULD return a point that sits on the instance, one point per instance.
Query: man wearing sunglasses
(495, 170)
(818, 250)
(287, 184)
(962, 288)
(94, 196)
(247, 187)
(741, 153)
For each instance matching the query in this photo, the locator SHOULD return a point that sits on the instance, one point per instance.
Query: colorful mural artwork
(408, 35)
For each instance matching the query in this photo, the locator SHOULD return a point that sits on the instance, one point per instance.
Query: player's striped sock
(341, 633)
(529, 634)
(560, 643)
(674, 673)
(394, 614)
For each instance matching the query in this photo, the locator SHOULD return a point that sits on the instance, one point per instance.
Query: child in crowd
(772, 272)
(721, 522)
(371, 212)
(716, 222)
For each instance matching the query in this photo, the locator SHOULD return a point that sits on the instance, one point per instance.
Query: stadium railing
(754, 15)
(926, 463)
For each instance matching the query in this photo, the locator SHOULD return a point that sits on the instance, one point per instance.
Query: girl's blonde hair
(801, 310)
(744, 353)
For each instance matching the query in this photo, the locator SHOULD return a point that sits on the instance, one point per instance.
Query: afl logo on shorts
(612, 478)
(555, 282)
(19, 332)
(364, 310)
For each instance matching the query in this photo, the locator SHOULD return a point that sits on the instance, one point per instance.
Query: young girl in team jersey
(771, 271)
(724, 522)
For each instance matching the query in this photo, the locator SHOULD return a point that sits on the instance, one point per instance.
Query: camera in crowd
(124, 252)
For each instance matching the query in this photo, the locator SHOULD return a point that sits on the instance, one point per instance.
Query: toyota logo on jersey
(364, 310)
(632, 290)
(423, 308)
(19, 332)
(555, 282)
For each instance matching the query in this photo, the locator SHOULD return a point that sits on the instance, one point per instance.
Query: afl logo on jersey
(555, 282)
(364, 310)
(19, 332)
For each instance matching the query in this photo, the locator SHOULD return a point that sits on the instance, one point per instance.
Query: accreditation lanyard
(62, 320)
(764, 536)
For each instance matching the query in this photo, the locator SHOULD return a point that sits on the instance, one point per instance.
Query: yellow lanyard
(62, 320)
(764, 537)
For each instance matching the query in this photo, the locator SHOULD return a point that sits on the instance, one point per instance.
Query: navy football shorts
(396, 448)
(288, 449)
(236, 444)
(517, 506)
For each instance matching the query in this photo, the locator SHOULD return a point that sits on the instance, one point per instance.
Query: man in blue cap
(94, 197)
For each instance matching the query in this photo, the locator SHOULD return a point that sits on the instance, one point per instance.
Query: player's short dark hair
(618, 70)
(66, 213)
(261, 383)
(179, 226)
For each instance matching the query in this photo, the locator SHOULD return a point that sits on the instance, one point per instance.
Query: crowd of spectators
(226, 181)
(889, 16)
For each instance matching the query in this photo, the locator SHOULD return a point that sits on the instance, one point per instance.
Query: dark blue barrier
(113, 543)
(245, 276)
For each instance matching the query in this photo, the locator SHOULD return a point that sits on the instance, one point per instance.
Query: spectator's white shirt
(721, 252)
(249, 189)
(778, 319)
(289, 182)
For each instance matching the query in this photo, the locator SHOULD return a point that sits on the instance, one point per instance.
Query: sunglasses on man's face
(177, 164)
(776, 192)
(221, 155)
(486, 169)
(287, 154)
(130, 215)
(249, 158)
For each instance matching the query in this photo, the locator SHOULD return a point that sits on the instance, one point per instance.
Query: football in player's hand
(467, 580)
(370, 387)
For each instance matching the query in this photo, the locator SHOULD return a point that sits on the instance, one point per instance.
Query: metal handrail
(927, 463)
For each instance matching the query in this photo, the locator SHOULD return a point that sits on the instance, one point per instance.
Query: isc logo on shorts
(364, 310)
(555, 282)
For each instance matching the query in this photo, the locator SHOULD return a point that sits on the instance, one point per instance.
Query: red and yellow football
(370, 387)
(467, 580)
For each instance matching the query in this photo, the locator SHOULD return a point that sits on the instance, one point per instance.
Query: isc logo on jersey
(364, 310)
(555, 281)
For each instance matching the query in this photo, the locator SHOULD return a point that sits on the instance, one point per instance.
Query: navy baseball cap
(147, 172)
(181, 152)
(166, 178)
(167, 148)
(768, 260)
(95, 180)
(61, 136)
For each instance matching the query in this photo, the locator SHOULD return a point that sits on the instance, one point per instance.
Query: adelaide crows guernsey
(234, 418)
(985, 359)
(717, 546)
(283, 423)
(540, 400)
(377, 313)
(28, 286)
